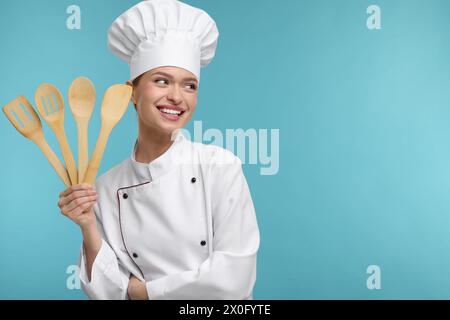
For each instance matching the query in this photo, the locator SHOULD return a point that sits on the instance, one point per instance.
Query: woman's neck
(151, 145)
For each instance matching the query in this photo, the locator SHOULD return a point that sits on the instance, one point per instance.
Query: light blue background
(364, 119)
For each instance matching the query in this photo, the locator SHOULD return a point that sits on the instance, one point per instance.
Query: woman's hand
(137, 289)
(76, 203)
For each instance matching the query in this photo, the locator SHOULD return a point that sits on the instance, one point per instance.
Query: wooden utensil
(81, 101)
(23, 117)
(114, 104)
(50, 105)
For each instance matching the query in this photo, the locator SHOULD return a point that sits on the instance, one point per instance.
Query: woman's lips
(170, 117)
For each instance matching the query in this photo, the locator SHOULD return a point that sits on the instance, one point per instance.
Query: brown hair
(136, 80)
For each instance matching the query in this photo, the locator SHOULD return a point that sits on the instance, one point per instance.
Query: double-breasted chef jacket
(184, 224)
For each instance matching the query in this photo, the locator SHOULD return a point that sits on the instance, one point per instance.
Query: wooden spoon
(27, 122)
(81, 101)
(50, 105)
(114, 104)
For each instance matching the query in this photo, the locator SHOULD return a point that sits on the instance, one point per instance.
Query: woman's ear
(133, 98)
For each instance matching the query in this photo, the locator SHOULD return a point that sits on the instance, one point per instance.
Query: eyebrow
(170, 76)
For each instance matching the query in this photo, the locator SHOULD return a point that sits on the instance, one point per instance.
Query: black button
(125, 196)
(135, 255)
(203, 242)
(193, 180)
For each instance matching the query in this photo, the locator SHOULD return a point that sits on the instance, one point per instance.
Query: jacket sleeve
(230, 271)
(109, 280)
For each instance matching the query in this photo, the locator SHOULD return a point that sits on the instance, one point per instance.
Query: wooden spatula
(81, 102)
(50, 105)
(114, 104)
(23, 117)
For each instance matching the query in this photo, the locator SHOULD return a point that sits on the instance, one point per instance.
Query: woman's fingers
(71, 193)
(79, 201)
(77, 194)
(76, 203)
(65, 200)
(77, 187)
(79, 209)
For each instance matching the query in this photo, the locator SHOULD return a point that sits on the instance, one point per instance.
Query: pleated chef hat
(157, 33)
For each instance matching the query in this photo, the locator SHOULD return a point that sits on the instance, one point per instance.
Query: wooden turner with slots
(25, 119)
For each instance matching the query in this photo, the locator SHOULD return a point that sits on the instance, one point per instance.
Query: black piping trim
(120, 224)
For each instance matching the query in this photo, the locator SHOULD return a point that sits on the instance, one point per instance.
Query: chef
(176, 219)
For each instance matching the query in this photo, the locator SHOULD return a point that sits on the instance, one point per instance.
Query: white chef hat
(157, 33)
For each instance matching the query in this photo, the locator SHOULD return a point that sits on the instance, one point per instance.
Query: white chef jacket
(184, 224)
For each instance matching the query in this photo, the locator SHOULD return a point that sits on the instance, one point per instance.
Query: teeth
(169, 111)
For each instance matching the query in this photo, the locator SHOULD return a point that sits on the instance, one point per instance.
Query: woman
(176, 219)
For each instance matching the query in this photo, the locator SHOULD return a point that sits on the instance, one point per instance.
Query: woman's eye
(163, 81)
(191, 86)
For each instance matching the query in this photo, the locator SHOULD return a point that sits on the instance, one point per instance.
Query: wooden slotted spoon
(23, 117)
(81, 101)
(114, 104)
(50, 105)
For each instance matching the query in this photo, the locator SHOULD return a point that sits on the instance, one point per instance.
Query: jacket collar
(161, 165)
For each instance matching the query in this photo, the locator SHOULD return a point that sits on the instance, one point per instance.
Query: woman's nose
(174, 94)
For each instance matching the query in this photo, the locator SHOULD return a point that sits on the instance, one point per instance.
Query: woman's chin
(164, 125)
(170, 127)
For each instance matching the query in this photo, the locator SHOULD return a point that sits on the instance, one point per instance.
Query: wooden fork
(50, 105)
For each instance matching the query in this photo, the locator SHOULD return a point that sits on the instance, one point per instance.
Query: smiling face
(165, 99)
